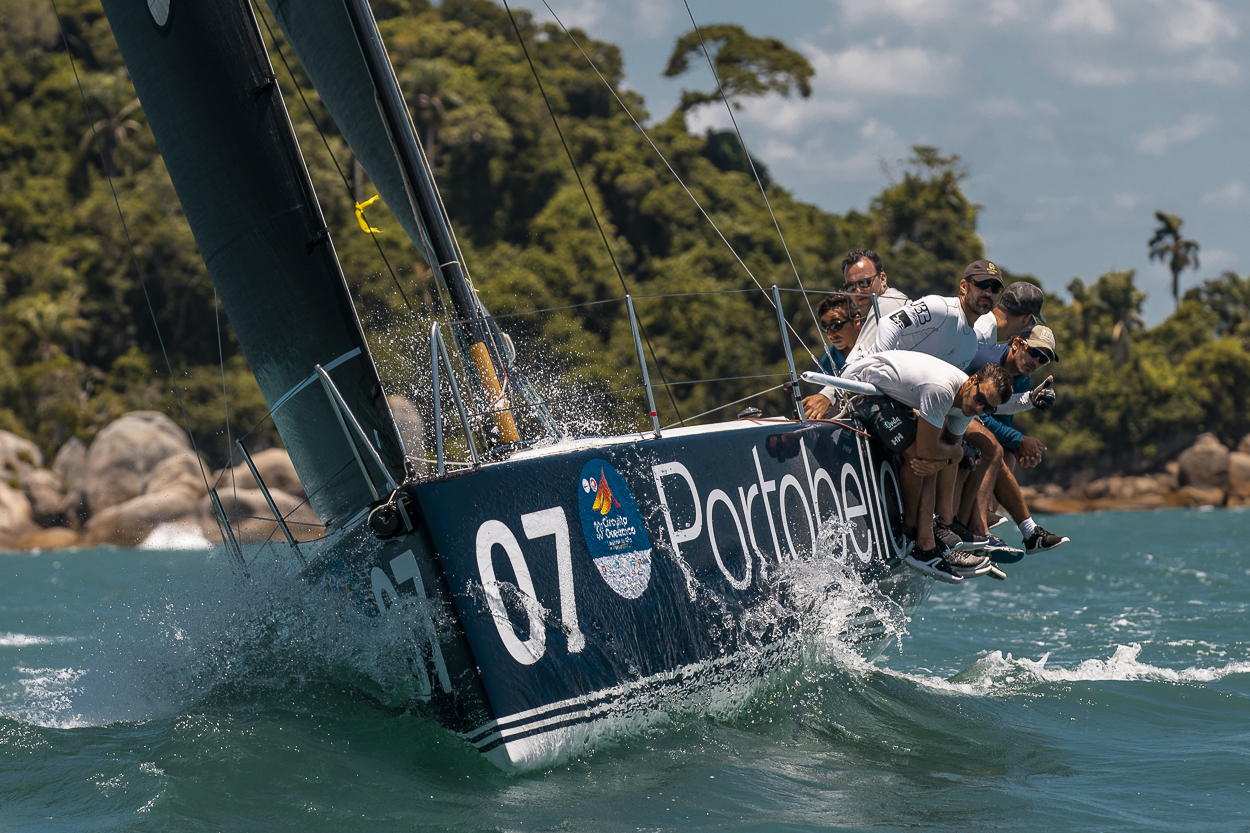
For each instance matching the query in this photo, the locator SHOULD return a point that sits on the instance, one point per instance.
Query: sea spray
(176, 646)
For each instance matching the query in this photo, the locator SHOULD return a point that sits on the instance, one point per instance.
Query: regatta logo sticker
(613, 529)
(901, 318)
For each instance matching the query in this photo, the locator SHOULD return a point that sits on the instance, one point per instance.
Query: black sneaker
(932, 564)
(969, 537)
(994, 520)
(1000, 552)
(968, 564)
(1041, 541)
(952, 539)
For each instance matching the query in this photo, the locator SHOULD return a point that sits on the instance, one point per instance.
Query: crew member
(1033, 348)
(947, 399)
(941, 326)
(864, 275)
(1020, 306)
(842, 322)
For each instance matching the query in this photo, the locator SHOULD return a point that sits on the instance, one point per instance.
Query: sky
(1075, 119)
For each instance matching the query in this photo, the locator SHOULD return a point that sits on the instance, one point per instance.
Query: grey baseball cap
(1023, 298)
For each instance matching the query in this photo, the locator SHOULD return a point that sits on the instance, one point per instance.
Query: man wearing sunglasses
(863, 275)
(947, 400)
(1020, 306)
(841, 320)
(1002, 446)
(941, 326)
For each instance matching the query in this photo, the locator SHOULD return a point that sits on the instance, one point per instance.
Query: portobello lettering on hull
(612, 526)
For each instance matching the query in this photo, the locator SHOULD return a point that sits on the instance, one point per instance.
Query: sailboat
(558, 586)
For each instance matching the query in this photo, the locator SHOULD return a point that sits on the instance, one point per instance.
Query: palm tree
(1181, 253)
(111, 132)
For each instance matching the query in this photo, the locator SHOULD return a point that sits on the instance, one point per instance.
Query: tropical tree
(746, 65)
(1168, 245)
(1228, 297)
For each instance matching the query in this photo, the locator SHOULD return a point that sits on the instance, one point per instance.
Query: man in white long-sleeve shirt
(863, 274)
(941, 326)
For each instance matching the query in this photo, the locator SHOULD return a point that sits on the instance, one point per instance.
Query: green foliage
(745, 65)
(1127, 391)
(79, 343)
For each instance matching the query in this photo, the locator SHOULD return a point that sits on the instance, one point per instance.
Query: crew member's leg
(1008, 494)
(975, 496)
(917, 501)
(1007, 490)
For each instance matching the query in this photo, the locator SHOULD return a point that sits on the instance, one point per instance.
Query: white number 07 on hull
(548, 522)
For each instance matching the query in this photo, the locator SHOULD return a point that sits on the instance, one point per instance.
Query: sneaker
(968, 564)
(969, 537)
(932, 564)
(994, 520)
(1000, 552)
(1041, 541)
(952, 539)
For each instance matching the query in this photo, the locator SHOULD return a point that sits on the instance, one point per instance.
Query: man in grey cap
(1020, 306)
(1030, 350)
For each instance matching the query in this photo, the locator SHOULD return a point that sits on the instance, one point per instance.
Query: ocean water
(1104, 686)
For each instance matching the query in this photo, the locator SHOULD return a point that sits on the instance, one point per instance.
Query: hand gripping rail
(848, 385)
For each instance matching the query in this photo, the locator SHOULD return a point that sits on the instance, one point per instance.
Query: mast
(424, 194)
(339, 46)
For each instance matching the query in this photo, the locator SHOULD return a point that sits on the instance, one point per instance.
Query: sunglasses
(1038, 355)
(864, 284)
(837, 325)
(992, 284)
(979, 399)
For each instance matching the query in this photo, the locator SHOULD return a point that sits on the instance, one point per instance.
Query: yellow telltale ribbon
(360, 214)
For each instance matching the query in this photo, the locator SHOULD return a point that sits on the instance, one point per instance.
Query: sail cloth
(210, 96)
(321, 33)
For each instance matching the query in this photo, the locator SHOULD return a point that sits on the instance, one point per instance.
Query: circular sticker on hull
(613, 529)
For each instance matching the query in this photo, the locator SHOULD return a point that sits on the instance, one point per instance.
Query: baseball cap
(1023, 298)
(982, 269)
(1041, 337)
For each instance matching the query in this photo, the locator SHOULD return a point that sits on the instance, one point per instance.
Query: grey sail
(339, 46)
(210, 96)
(321, 33)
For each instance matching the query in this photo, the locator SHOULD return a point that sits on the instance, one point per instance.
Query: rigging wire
(751, 161)
(133, 256)
(225, 401)
(677, 177)
(351, 192)
(594, 214)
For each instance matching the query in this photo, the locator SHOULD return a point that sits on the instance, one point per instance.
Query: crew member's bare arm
(933, 449)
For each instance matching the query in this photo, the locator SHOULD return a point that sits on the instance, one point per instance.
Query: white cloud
(581, 14)
(884, 71)
(1092, 43)
(1159, 140)
(913, 12)
(1063, 210)
(1195, 23)
(1231, 194)
(838, 156)
(1094, 74)
(653, 17)
(1008, 107)
(1084, 17)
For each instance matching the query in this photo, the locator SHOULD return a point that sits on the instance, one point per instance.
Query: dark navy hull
(600, 579)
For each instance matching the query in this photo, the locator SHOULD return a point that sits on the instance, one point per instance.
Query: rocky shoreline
(140, 480)
(1207, 473)
(138, 477)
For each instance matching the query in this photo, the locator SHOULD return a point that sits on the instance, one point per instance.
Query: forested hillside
(79, 345)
